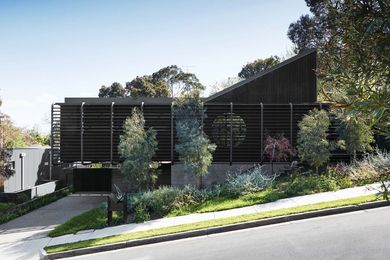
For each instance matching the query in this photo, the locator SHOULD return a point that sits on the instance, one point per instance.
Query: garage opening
(92, 179)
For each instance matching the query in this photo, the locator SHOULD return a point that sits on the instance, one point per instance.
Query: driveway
(18, 237)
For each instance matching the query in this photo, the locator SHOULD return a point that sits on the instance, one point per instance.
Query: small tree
(357, 134)
(137, 147)
(193, 147)
(313, 146)
(278, 149)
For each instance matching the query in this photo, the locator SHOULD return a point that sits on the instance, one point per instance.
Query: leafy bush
(163, 200)
(21, 197)
(278, 149)
(301, 185)
(313, 146)
(141, 214)
(239, 183)
(137, 147)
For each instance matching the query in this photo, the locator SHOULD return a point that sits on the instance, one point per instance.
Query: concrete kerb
(214, 230)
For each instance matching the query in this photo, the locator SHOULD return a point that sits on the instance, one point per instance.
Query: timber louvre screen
(90, 133)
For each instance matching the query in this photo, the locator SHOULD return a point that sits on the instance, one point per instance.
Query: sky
(50, 50)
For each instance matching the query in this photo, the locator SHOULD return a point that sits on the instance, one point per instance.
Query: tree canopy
(115, 90)
(170, 81)
(352, 38)
(257, 66)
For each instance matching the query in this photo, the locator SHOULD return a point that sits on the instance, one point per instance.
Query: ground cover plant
(92, 219)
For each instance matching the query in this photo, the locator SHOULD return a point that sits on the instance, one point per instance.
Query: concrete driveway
(18, 237)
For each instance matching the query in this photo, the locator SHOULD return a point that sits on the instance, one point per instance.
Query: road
(357, 235)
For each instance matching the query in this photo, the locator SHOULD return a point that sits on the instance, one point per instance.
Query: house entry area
(92, 180)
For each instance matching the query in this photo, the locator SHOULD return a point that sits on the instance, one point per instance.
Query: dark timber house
(87, 130)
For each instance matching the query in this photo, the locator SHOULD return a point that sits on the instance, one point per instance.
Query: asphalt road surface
(357, 235)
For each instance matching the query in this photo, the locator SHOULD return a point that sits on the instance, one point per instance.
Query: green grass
(4, 206)
(210, 223)
(93, 219)
(224, 203)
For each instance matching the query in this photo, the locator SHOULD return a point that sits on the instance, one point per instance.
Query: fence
(90, 133)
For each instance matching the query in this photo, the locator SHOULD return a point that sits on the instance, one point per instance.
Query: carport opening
(92, 179)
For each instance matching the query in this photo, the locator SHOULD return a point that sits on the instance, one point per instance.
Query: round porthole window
(221, 130)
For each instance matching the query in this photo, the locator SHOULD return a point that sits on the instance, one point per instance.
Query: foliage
(302, 185)
(313, 146)
(93, 219)
(145, 86)
(239, 183)
(137, 147)
(163, 200)
(193, 146)
(141, 214)
(21, 198)
(357, 134)
(228, 129)
(278, 148)
(4, 206)
(352, 38)
(115, 90)
(221, 85)
(258, 66)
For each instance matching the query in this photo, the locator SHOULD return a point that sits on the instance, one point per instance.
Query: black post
(231, 133)
(172, 143)
(82, 133)
(291, 123)
(112, 133)
(261, 131)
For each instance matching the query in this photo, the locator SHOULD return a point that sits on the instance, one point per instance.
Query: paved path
(356, 235)
(173, 221)
(23, 237)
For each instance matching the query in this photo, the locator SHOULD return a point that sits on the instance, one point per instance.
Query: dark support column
(142, 106)
(261, 131)
(172, 143)
(82, 133)
(231, 133)
(112, 133)
(291, 123)
(51, 141)
(320, 106)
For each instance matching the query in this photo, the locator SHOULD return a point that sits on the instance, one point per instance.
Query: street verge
(212, 226)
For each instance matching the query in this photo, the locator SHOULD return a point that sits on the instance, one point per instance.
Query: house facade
(239, 118)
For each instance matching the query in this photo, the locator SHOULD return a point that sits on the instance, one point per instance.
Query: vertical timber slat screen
(240, 136)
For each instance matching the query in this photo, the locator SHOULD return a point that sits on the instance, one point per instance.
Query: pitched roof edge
(260, 74)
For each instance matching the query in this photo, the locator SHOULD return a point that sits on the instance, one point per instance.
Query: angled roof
(259, 75)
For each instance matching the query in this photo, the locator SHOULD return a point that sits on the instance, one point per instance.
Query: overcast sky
(55, 49)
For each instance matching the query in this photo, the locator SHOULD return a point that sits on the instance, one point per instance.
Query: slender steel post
(142, 106)
(261, 130)
(320, 106)
(51, 142)
(231, 133)
(112, 133)
(172, 143)
(82, 133)
(291, 122)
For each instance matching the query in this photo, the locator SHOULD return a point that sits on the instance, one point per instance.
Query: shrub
(278, 149)
(313, 146)
(239, 183)
(21, 197)
(193, 146)
(163, 200)
(137, 147)
(301, 185)
(141, 214)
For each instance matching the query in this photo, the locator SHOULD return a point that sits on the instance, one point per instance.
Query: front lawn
(224, 203)
(92, 219)
(209, 224)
